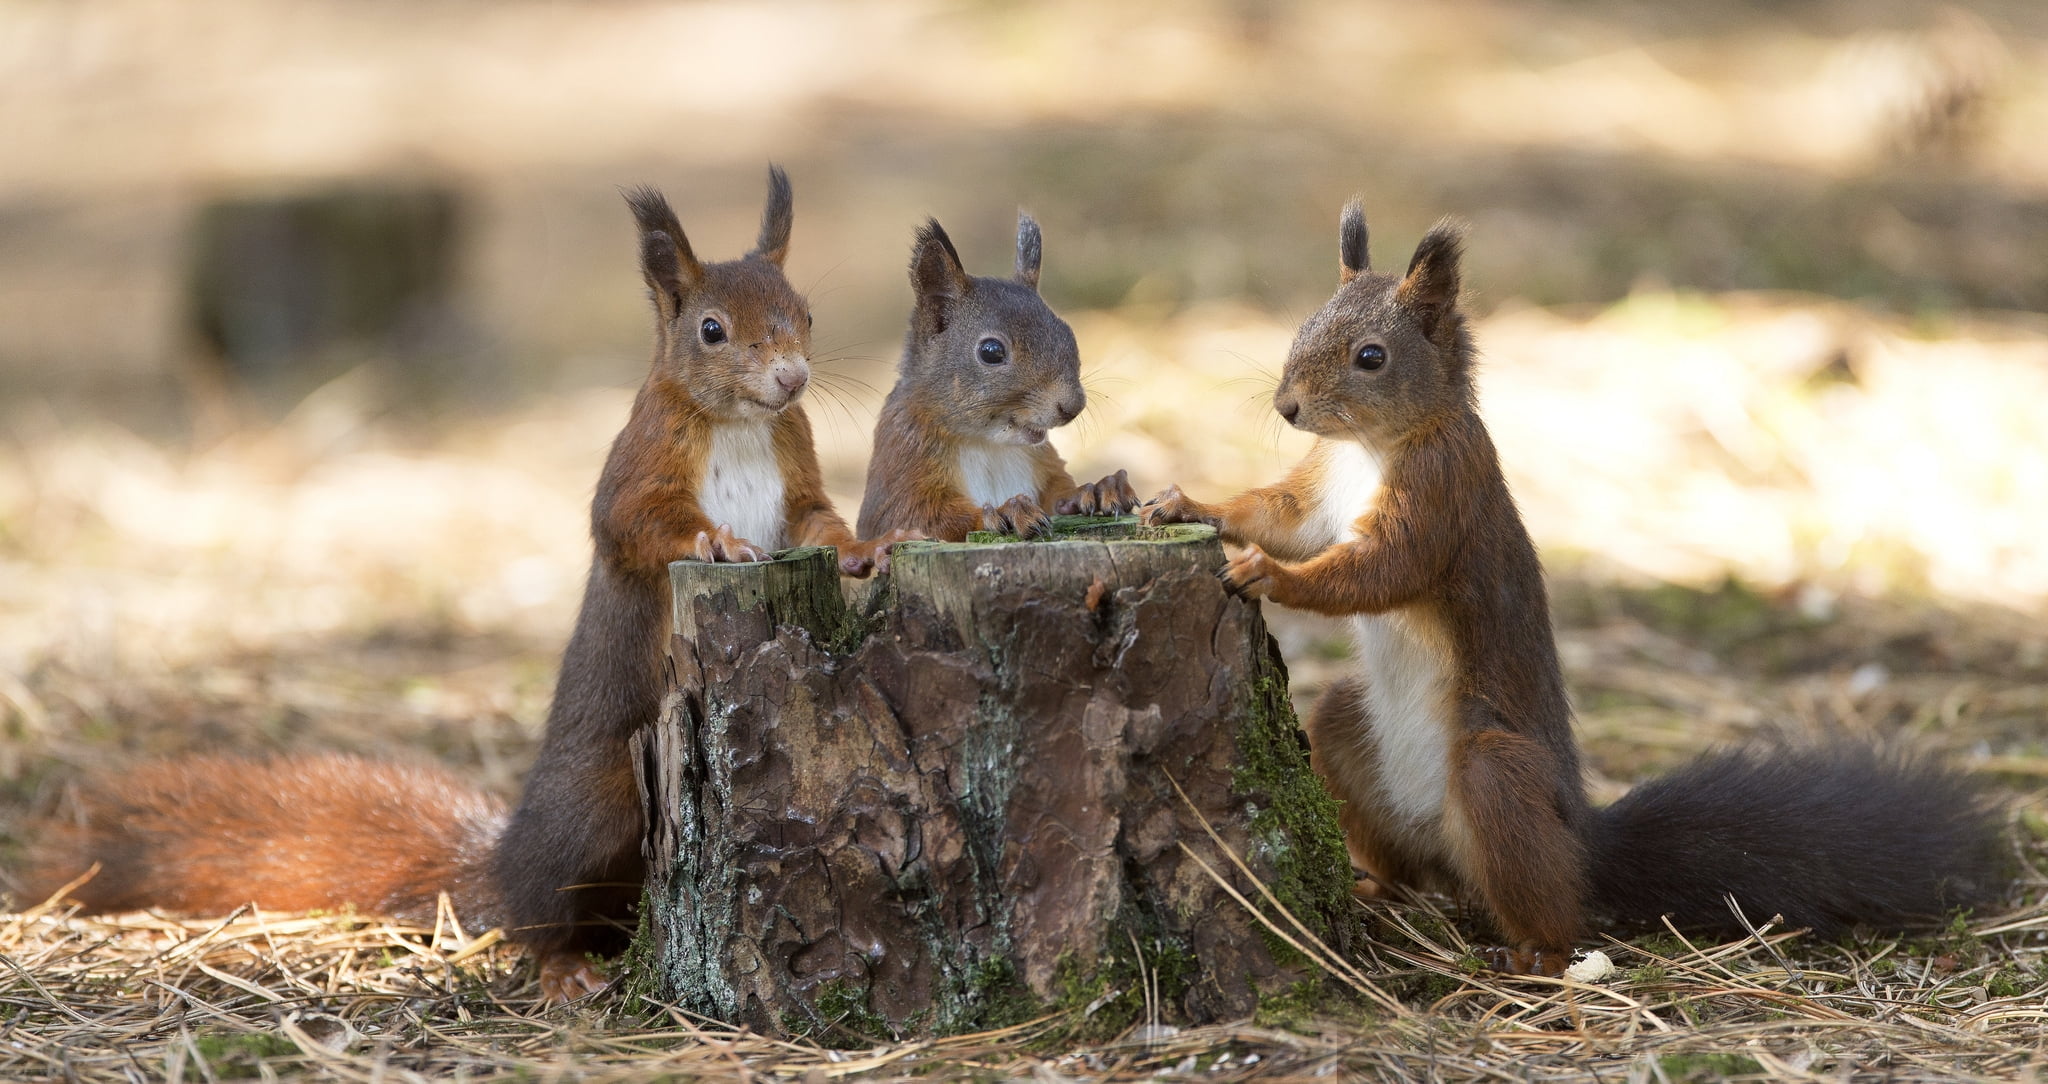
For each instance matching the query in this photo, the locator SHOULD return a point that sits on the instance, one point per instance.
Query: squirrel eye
(712, 330)
(1371, 356)
(992, 352)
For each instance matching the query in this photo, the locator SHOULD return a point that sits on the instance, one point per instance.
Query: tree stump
(955, 802)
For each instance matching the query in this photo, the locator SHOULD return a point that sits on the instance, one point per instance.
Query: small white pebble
(1868, 678)
(1591, 967)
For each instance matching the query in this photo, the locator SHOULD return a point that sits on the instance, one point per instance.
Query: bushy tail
(1828, 836)
(206, 835)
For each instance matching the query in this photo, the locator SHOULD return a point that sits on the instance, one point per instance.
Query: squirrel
(988, 371)
(715, 463)
(1451, 750)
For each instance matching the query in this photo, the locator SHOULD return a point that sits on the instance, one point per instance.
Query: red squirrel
(988, 371)
(1451, 749)
(715, 463)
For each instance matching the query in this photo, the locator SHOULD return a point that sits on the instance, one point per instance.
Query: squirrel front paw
(723, 545)
(1255, 573)
(566, 976)
(1173, 506)
(1112, 496)
(872, 554)
(1020, 516)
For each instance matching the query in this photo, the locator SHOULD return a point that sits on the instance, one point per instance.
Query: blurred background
(316, 320)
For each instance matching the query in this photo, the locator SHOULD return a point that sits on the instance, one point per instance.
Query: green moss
(1660, 944)
(2008, 981)
(637, 970)
(1703, 1067)
(843, 1018)
(1954, 941)
(1291, 1008)
(994, 996)
(1081, 528)
(238, 1055)
(1293, 820)
(1126, 982)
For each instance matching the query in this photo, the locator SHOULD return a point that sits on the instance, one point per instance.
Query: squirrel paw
(1527, 960)
(872, 554)
(725, 546)
(566, 976)
(1253, 573)
(1112, 496)
(1170, 505)
(1020, 516)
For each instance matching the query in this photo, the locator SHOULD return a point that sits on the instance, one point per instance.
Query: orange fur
(200, 836)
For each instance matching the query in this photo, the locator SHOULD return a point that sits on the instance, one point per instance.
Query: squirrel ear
(1430, 289)
(936, 275)
(1352, 260)
(666, 261)
(775, 219)
(1030, 249)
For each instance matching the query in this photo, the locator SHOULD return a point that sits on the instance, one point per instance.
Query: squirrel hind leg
(1513, 846)
(1343, 754)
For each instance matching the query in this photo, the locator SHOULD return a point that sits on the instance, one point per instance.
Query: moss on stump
(950, 804)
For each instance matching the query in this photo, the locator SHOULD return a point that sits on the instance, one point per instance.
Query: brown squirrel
(715, 463)
(988, 371)
(1451, 751)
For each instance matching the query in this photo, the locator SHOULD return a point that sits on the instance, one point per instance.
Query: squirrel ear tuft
(776, 218)
(936, 275)
(1430, 289)
(1030, 249)
(670, 268)
(1352, 258)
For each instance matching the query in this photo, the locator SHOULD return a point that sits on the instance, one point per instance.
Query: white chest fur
(1350, 482)
(1403, 661)
(742, 484)
(993, 473)
(1406, 673)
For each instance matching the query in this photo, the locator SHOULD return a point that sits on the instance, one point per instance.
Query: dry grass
(338, 582)
(143, 997)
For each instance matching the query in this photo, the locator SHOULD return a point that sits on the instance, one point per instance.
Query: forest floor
(1763, 516)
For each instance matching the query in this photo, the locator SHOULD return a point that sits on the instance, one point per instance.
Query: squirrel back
(988, 371)
(1451, 748)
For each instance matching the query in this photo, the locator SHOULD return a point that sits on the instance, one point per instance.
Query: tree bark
(952, 804)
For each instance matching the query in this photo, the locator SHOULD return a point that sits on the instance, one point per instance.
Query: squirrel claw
(1020, 516)
(1110, 496)
(872, 555)
(721, 545)
(1170, 505)
(1252, 573)
(1527, 960)
(567, 976)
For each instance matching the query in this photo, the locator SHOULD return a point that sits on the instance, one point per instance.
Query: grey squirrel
(988, 372)
(1451, 749)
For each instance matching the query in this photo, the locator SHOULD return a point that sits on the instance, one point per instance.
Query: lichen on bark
(957, 803)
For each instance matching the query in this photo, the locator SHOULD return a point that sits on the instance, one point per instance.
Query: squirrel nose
(792, 379)
(1289, 410)
(1069, 409)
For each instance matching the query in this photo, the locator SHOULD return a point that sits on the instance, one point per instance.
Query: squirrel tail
(205, 835)
(1828, 836)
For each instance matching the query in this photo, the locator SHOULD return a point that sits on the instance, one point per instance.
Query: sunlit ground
(1878, 492)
